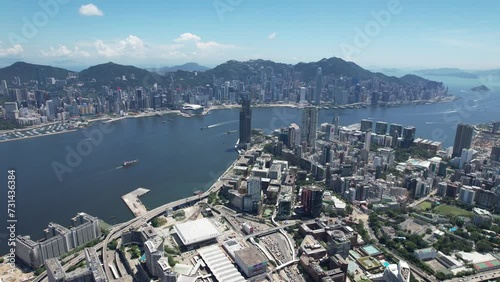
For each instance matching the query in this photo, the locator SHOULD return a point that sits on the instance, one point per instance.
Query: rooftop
(425, 250)
(480, 211)
(220, 265)
(192, 232)
(250, 256)
(370, 250)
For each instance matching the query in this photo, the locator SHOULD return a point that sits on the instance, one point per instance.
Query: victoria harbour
(177, 158)
(245, 141)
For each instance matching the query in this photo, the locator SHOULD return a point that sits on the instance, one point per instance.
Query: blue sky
(405, 34)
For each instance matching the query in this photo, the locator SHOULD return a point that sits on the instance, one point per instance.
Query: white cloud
(187, 37)
(64, 51)
(185, 47)
(132, 45)
(212, 45)
(133, 42)
(199, 44)
(12, 51)
(271, 36)
(90, 10)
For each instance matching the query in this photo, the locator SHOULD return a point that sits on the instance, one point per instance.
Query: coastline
(107, 119)
(41, 135)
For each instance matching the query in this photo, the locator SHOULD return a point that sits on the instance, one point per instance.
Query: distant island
(481, 88)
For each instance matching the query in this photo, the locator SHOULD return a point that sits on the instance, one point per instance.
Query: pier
(133, 203)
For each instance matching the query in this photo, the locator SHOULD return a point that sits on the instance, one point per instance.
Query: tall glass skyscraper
(319, 86)
(463, 139)
(309, 125)
(245, 119)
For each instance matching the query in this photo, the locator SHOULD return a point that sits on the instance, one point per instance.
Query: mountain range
(191, 66)
(192, 74)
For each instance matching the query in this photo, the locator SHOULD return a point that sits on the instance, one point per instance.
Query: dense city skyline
(78, 34)
(275, 140)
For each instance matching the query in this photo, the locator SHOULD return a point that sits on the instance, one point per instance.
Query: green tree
(112, 245)
(171, 261)
(484, 246)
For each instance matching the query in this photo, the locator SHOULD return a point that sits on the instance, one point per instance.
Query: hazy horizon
(374, 34)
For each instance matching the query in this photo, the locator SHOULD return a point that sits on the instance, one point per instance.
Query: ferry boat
(130, 163)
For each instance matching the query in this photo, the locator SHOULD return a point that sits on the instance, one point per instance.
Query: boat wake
(109, 170)
(222, 123)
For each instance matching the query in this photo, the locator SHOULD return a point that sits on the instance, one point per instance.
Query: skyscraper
(381, 127)
(408, 136)
(254, 188)
(50, 110)
(395, 127)
(366, 124)
(463, 139)
(368, 139)
(395, 137)
(319, 86)
(312, 200)
(336, 121)
(139, 104)
(293, 136)
(4, 90)
(309, 124)
(245, 119)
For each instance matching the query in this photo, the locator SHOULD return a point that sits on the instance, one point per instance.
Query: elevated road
(267, 231)
(117, 230)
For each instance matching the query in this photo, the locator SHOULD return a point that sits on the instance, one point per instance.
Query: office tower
(139, 103)
(368, 139)
(245, 119)
(366, 124)
(293, 135)
(375, 98)
(408, 136)
(463, 139)
(4, 90)
(466, 156)
(395, 137)
(11, 110)
(312, 200)
(336, 121)
(338, 95)
(326, 154)
(51, 112)
(381, 128)
(319, 86)
(227, 85)
(395, 127)
(153, 252)
(254, 188)
(495, 154)
(309, 124)
(302, 93)
(495, 129)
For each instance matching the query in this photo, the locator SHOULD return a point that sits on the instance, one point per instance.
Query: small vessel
(130, 163)
(197, 192)
(231, 131)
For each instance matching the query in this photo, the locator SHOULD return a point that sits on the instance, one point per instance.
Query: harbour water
(177, 157)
